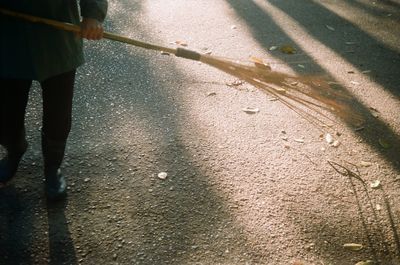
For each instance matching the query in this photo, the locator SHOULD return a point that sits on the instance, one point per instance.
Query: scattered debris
(330, 27)
(375, 184)
(251, 110)
(366, 163)
(353, 246)
(329, 138)
(287, 49)
(235, 83)
(335, 143)
(162, 175)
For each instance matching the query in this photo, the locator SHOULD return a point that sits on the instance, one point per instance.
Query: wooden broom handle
(74, 28)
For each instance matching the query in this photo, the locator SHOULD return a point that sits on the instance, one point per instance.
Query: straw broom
(309, 97)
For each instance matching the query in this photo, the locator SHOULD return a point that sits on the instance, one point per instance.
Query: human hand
(91, 29)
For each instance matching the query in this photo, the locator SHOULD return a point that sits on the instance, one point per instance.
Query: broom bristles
(309, 96)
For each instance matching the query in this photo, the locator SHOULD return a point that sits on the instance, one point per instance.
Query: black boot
(53, 154)
(9, 164)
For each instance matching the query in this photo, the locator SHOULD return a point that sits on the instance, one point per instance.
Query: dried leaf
(375, 184)
(251, 110)
(273, 48)
(329, 138)
(353, 246)
(233, 27)
(299, 140)
(287, 49)
(365, 164)
(330, 27)
(259, 63)
(385, 144)
(236, 83)
(162, 175)
(211, 94)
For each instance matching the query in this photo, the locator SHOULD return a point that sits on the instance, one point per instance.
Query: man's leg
(57, 93)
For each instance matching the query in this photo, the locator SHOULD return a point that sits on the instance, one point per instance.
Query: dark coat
(37, 52)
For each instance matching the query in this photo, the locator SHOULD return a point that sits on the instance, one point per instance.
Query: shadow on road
(131, 125)
(61, 245)
(16, 227)
(386, 62)
(381, 59)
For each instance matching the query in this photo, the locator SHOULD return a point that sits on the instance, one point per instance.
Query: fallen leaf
(353, 246)
(330, 27)
(233, 27)
(301, 66)
(329, 138)
(287, 49)
(385, 144)
(211, 94)
(164, 53)
(355, 83)
(299, 140)
(365, 164)
(375, 184)
(251, 110)
(350, 42)
(162, 175)
(235, 83)
(336, 143)
(259, 63)
(378, 207)
(273, 48)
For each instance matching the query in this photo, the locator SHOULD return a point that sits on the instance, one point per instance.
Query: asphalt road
(240, 188)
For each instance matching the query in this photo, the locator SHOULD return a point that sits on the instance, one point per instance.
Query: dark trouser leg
(57, 93)
(14, 95)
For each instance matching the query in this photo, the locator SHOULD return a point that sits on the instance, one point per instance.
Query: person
(28, 52)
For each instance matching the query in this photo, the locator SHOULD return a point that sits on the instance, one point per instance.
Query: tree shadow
(371, 54)
(372, 10)
(384, 62)
(16, 227)
(130, 124)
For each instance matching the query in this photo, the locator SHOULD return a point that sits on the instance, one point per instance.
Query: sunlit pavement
(239, 188)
